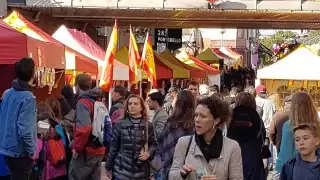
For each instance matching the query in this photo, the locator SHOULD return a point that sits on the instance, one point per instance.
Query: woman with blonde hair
(303, 111)
(275, 98)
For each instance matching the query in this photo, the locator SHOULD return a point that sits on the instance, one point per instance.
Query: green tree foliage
(277, 38)
(314, 33)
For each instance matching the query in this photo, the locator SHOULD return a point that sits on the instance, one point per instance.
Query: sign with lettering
(171, 37)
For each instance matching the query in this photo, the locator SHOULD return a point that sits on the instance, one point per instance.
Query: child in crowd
(306, 164)
(50, 160)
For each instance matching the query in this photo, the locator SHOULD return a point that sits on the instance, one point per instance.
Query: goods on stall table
(46, 77)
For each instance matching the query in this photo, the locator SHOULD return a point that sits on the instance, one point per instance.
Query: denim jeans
(159, 175)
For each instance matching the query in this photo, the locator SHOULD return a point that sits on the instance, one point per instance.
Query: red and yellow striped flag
(106, 77)
(147, 62)
(134, 59)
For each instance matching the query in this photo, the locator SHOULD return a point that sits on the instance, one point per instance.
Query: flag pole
(140, 84)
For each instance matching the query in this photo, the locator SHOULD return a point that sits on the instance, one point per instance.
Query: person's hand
(187, 168)
(209, 177)
(109, 174)
(144, 156)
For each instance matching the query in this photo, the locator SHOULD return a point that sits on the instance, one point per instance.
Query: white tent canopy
(301, 64)
(81, 43)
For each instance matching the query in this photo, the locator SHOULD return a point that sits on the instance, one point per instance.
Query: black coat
(125, 147)
(248, 130)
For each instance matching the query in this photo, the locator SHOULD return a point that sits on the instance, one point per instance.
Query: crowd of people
(194, 133)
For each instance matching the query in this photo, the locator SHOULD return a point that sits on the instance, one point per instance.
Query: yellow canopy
(178, 71)
(208, 56)
(122, 55)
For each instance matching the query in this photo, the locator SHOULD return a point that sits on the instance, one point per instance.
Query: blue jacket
(4, 171)
(18, 121)
(166, 146)
(295, 164)
(287, 147)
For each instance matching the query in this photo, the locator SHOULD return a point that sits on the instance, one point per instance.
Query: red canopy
(162, 71)
(221, 54)
(13, 44)
(83, 44)
(45, 51)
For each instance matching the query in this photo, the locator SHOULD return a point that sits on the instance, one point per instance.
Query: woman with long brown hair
(55, 106)
(303, 111)
(129, 148)
(180, 123)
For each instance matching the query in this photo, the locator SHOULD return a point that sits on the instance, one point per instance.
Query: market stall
(26, 40)
(162, 71)
(86, 53)
(209, 57)
(213, 73)
(178, 71)
(227, 59)
(195, 72)
(228, 51)
(295, 72)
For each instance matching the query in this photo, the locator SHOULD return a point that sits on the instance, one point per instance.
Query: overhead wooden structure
(184, 18)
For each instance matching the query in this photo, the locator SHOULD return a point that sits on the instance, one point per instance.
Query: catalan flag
(106, 76)
(147, 62)
(134, 59)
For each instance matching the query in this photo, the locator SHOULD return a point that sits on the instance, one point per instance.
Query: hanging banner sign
(171, 37)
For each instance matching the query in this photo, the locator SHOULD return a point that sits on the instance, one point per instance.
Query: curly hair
(218, 107)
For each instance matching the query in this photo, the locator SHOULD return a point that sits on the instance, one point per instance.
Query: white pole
(110, 99)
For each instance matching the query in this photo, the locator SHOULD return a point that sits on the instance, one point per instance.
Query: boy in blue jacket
(306, 164)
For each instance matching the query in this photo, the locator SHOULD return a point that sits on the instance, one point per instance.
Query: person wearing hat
(275, 129)
(268, 107)
(170, 99)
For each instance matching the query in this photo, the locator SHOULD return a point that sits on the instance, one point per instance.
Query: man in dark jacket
(172, 93)
(87, 157)
(118, 95)
(231, 99)
(160, 117)
(18, 122)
